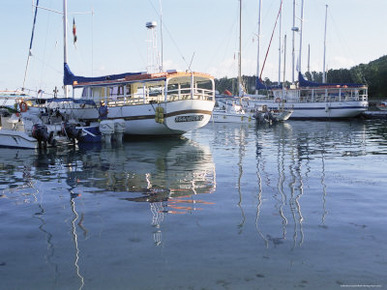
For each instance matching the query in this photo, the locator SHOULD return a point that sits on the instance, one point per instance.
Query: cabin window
(154, 91)
(128, 90)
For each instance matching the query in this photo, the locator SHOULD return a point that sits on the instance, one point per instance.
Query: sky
(201, 35)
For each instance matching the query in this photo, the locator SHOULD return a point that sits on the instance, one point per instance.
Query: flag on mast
(74, 31)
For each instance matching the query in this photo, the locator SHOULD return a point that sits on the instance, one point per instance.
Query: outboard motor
(40, 133)
(72, 132)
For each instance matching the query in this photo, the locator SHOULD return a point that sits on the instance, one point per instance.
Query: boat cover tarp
(305, 83)
(261, 86)
(61, 100)
(69, 78)
(76, 101)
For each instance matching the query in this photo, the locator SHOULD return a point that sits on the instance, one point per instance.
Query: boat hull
(17, 139)
(175, 118)
(223, 117)
(334, 110)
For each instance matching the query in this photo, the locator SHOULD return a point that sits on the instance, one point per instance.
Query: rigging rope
(32, 37)
(271, 38)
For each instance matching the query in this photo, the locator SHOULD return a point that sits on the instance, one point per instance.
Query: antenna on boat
(152, 52)
(190, 63)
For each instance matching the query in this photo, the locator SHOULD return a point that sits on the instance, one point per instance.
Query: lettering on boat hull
(190, 118)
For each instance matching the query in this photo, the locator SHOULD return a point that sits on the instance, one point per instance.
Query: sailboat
(154, 102)
(230, 109)
(312, 100)
(238, 109)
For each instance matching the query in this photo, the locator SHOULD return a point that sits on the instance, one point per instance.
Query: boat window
(203, 84)
(128, 90)
(98, 92)
(85, 92)
(155, 90)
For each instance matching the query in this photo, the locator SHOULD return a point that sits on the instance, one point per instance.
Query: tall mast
(280, 44)
(294, 29)
(259, 39)
(284, 72)
(65, 40)
(161, 39)
(325, 44)
(240, 48)
(308, 68)
(32, 37)
(301, 32)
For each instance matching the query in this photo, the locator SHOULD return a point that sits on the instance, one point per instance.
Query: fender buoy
(278, 100)
(23, 107)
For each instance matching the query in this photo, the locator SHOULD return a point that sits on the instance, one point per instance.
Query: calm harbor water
(296, 205)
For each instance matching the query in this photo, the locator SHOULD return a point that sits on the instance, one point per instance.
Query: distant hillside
(374, 74)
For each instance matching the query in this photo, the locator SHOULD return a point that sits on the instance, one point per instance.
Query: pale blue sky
(114, 39)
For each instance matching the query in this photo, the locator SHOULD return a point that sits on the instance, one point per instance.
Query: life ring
(23, 107)
(278, 100)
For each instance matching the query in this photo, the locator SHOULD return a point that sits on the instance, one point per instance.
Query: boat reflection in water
(167, 174)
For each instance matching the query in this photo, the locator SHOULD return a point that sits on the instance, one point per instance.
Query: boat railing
(173, 95)
(188, 94)
(321, 95)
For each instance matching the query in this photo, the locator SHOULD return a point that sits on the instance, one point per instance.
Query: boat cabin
(146, 88)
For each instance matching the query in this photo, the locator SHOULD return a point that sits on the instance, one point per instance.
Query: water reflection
(168, 174)
(158, 171)
(285, 156)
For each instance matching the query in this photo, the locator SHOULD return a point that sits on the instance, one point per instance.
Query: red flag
(74, 31)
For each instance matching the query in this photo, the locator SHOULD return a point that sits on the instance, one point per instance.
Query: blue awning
(305, 83)
(69, 78)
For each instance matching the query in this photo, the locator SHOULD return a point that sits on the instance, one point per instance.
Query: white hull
(179, 117)
(223, 117)
(318, 110)
(17, 139)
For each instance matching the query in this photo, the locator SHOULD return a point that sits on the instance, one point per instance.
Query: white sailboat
(230, 110)
(238, 109)
(311, 100)
(150, 103)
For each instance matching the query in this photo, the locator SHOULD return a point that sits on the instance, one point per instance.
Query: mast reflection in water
(295, 205)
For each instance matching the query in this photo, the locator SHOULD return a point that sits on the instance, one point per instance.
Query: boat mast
(284, 72)
(308, 68)
(32, 37)
(240, 50)
(294, 29)
(259, 40)
(301, 32)
(280, 44)
(325, 44)
(161, 39)
(65, 41)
